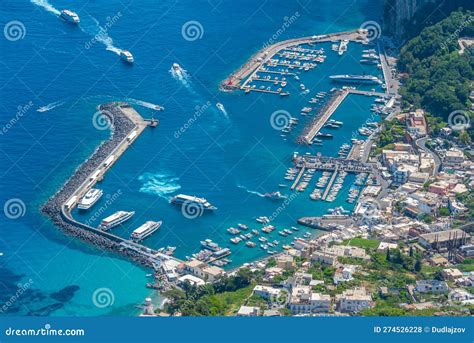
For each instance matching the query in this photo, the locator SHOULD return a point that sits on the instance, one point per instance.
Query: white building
(431, 286)
(303, 300)
(266, 292)
(344, 274)
(453, 156)
(248, 311)
(354, 300)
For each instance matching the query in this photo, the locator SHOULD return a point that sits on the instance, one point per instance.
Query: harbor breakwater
(121, 126)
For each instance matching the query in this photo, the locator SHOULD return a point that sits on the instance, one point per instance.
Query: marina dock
(297, 180)
(328, 110)
(259, 59)
(321, 119)
(331, 164)
(127, 126)
(330, 183)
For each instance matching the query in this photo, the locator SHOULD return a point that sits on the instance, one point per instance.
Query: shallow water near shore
(230, 158)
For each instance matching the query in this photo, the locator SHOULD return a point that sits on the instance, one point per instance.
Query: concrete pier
(330, 183)
(127, 124)
(264, 55)
(331, 164)
(325, 113)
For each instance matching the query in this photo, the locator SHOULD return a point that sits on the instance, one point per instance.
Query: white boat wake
(144, 104)
(160, 184)
(182, 76)
(94, 29)
(47, 6)
(50, 106)
(222, 108)
(251, 192)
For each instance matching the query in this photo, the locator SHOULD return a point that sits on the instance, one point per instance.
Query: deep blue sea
(53, 76)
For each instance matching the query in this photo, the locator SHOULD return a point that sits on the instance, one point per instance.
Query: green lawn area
(227, 302)
(363, 243)
(467, 265)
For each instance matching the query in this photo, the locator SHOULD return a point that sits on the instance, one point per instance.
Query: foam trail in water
(144, 104)
(159, 184)
(50, 106)
(94, 29)
(182, 76)
(46, 5)
(221, 108)
(251, 192)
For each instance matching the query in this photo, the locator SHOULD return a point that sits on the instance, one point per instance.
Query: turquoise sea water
(229, 158)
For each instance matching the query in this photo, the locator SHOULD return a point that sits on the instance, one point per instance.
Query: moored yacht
(145, 230)
(115, 219)
(70, 16)
(90, 198)
(356, 78)
(126, 56)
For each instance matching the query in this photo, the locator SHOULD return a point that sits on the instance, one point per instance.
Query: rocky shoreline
(121, 126)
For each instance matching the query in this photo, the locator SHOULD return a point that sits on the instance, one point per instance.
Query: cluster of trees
(202, 300)
(439, 78)
(410, 262)
(429, 14)
(468, 200)
(392, 131)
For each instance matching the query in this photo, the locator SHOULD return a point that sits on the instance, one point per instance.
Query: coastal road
(390, 81)
(421, 144)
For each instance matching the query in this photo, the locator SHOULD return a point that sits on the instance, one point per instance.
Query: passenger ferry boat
(275, 196)
(70, 16)
(211, 245)
(115, 219)
(90, 198)
(145, 230)
(182, 198)
(126, 56)
(356, 78)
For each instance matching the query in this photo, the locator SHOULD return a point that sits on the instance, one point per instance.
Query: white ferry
(126, 56)
(145, 230)
(115, 219)
(90, 198)
(355, 78)
(182, 198)
(209, 244)
(70, 16)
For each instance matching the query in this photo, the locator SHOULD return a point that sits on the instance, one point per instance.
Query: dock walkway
(127, 126)
(265, 54)
(328, 188)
